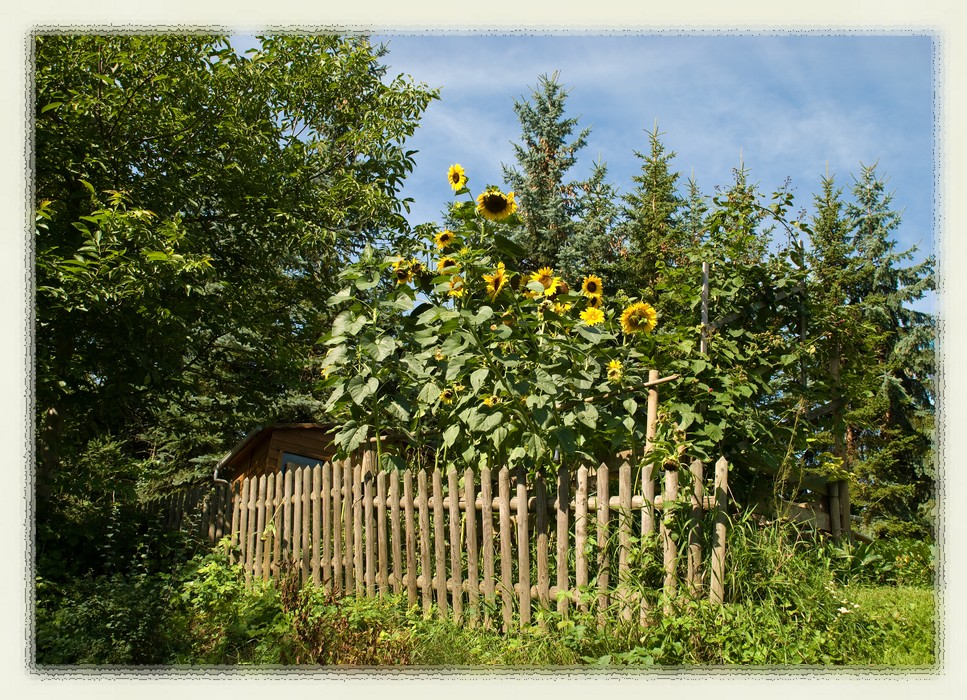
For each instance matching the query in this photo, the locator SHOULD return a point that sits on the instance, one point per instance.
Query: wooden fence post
(717, 588)
(396, 529)
(694, 575)
(523, 549)
(439, 542)
(603, 508)
(382, 534)
(278, 496)
(323, 568)
(425, 568)
(669, 546)
(844, 504)
(648, 477)
(543, 536)
(835, 512)
(239, 520)
(456, 551)
(369, 524)
(338, 506)
(487, 536)
(306, 528)
(473, 574)
(506, 564)
(563, 535)
(359, 573)
(408, 503)
(624, 539)
(263, 511)
(581, 534)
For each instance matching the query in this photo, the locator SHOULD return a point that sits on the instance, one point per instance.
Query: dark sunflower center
(592, 287)
(455, 178)
(495, 203)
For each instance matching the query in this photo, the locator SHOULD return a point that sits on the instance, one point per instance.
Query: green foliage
(479, 363)
(192, 205)
(791, 601)
(655, 239)
(548, 203)
(595, 247)
(894, 561)
(109, 619)
(874, 354)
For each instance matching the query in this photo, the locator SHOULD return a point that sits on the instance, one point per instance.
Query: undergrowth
(790, 601)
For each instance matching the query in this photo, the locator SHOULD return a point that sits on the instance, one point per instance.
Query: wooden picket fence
(477, 545)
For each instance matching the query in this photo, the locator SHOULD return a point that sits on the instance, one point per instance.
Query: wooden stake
(717, 588)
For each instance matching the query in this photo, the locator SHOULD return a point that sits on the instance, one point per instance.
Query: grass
(906, 615)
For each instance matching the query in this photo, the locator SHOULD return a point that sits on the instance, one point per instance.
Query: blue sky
(788, 103)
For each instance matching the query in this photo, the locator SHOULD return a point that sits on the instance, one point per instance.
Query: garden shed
(276, 448)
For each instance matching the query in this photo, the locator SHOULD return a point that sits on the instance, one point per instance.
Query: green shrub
(120, 618)
(897, 562)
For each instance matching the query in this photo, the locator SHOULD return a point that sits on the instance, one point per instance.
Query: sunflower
(402, 271)
(560, 309)
(455, 287)
(444, 238)
(640, 317)
(491, 401)
(457, 177)
(615, 371)
(592, 287)
(496, 281)
(557, 286)
(417, 268)
(592, 316)
(595, 302)
(495, 205)
(447, 265)
(545, 276)
(446, 396)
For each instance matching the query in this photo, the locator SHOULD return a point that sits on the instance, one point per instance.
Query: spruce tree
(892, 439)
(547, 202)
(595, 247)
(650, 220)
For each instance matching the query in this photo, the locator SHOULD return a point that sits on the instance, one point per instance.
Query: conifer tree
(873, 356)
(595, 248)
(547, 202)
(891, 441)
(650, 220)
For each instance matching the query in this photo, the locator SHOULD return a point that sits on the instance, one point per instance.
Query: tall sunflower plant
(447, 354)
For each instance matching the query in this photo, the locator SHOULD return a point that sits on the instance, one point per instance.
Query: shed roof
(258, 435)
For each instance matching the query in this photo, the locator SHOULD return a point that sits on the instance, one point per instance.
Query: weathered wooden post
(523, 548)
(648, 473)
(694, 574)
(669, 546)
(847, 524)
(832, 491)
(717, 588)
(703, 341)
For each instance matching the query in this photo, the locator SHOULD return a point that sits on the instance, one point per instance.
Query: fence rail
(481, 546)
